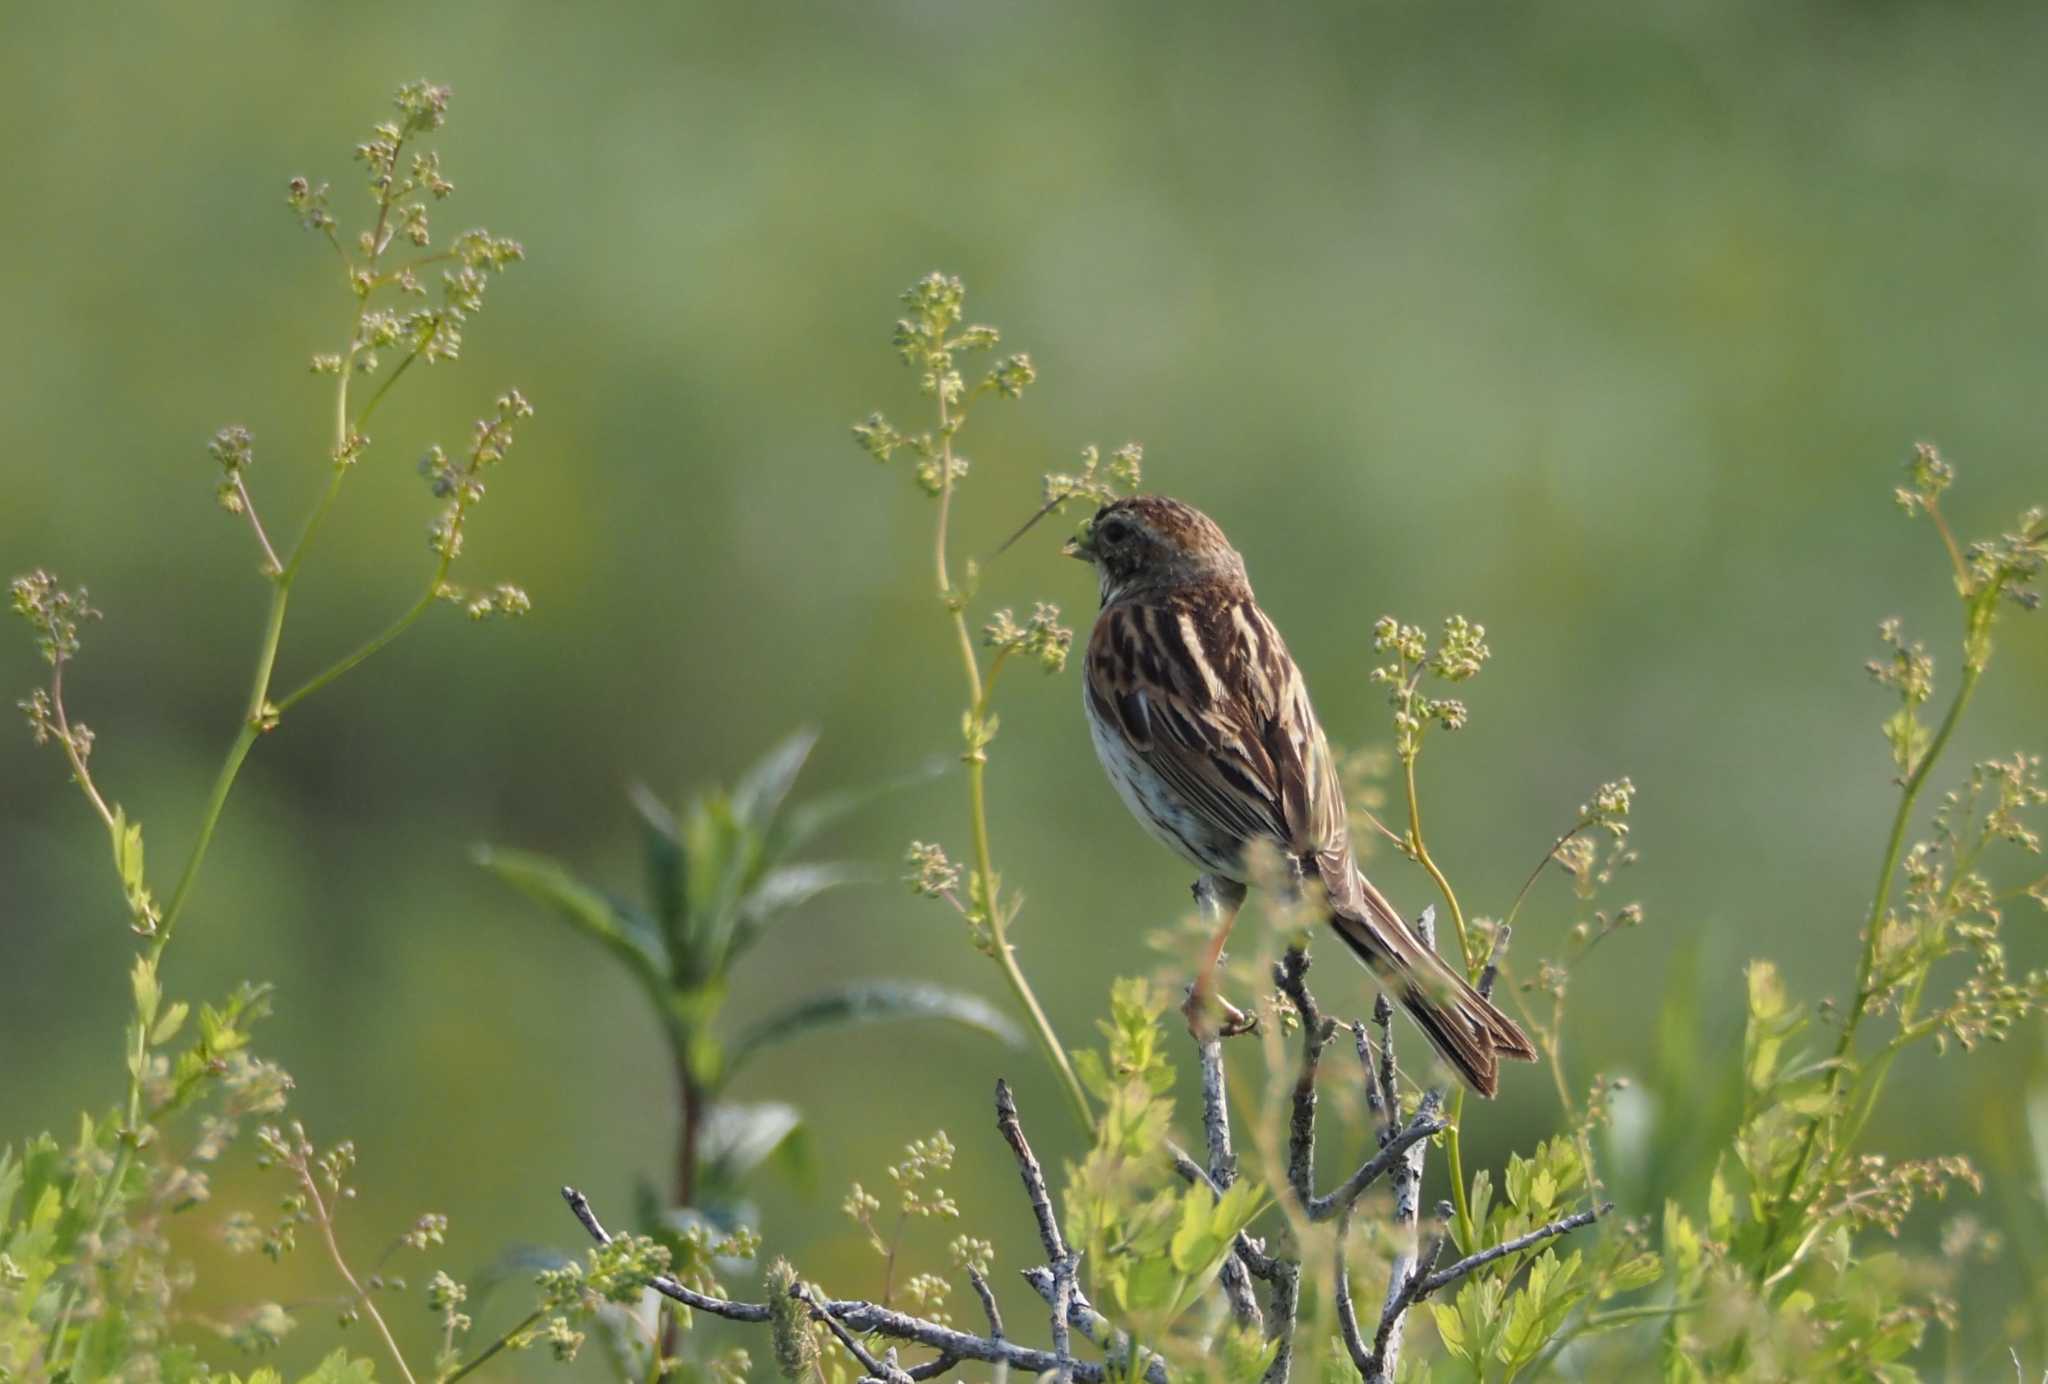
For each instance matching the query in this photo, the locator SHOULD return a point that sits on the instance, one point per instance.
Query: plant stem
(494, 1347)
(372, 646)
(312, 1186)
(1454, 1160)
(1420, 851)
(977, 800)
(78, 770)
(1873, 925)
(254, 718)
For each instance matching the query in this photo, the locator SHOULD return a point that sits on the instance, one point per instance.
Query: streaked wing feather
(1208, 697)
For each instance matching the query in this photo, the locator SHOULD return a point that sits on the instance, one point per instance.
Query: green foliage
(933, 342)
(1776, 1279)
(720, 870)
(1770, 1271)
(1151, 1244)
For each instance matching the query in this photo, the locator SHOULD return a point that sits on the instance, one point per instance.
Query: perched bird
(1202, 722)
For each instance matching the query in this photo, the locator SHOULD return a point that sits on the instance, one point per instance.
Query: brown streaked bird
(1202, 722)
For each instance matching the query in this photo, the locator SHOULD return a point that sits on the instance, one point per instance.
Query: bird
(1203, 723)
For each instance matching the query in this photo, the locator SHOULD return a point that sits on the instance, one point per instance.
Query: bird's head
(1152, 543)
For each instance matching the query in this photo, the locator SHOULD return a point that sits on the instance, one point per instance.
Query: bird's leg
(1219, 899)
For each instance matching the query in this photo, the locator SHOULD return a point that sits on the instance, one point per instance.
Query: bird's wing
(1208, 697)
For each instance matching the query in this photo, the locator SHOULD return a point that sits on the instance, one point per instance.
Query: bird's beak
(1074, 547)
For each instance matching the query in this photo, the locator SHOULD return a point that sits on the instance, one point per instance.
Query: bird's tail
(1461, 1024)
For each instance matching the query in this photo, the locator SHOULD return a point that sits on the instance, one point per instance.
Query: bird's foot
(1209, 1015)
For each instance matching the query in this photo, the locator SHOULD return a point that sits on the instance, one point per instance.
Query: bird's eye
(1114, 532)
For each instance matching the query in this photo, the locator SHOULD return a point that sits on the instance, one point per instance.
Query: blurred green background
(1604, 324)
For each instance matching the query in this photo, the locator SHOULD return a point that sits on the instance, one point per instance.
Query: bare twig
(1347, 1315)
(988, 1303)
(1286, 1300)
(941, 1365)
(1399, 1152)
(1012, 1130)
(846, 1338)
(1402, 1293)
(1290, 974)
(855, 1318)
(1093, 1326)
(579, 1207)
(1502, 935)
(1063, 1271)
(1216, 1113)
(1221, 1173)
(1407, 1179)
(1443, 1278)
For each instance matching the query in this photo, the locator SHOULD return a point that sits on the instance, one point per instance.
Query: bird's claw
(1202, 1025)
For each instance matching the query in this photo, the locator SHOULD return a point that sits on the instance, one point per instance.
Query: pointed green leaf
(168, 1026)
(629, 936)
(1450, 1329)
(789, 886)
(738, 1139)
(148, 993)
(721, 856)
(866, 1002)
(662, 843)
(762, 789)
(806, 819)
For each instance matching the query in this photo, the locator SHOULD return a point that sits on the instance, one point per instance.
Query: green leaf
(148, 993)
(1683, 1246)
(629, 935)
(762, 789)
(1548, 1294)
(873, 1001)
(168, 1026)
(807, 819)
(662, 843)
(791, 885)
(1720, 1207)
(339, 1369)
(1450, 1329)
(1638, 1272)
(737, 1139)
(782, 889)
(721, 857)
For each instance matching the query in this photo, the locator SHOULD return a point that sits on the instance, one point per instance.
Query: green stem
(977, 800)
(1420, 851)
(494, 1347)
(1454, 1154)
(1872, 928)
(326, 1222)
(253, 721)
(370, 647)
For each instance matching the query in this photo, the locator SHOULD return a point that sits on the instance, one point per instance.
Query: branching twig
(1290, 974)
(1501, 937)
(1221, 1173)
(852, 1318)
(1402, 1293)
(1407, 1264)
(1405, 1147)
(1063, 1271)
(1012, 1130)
(1443, 1278)
(1216, 1112)
(1093, 1326)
